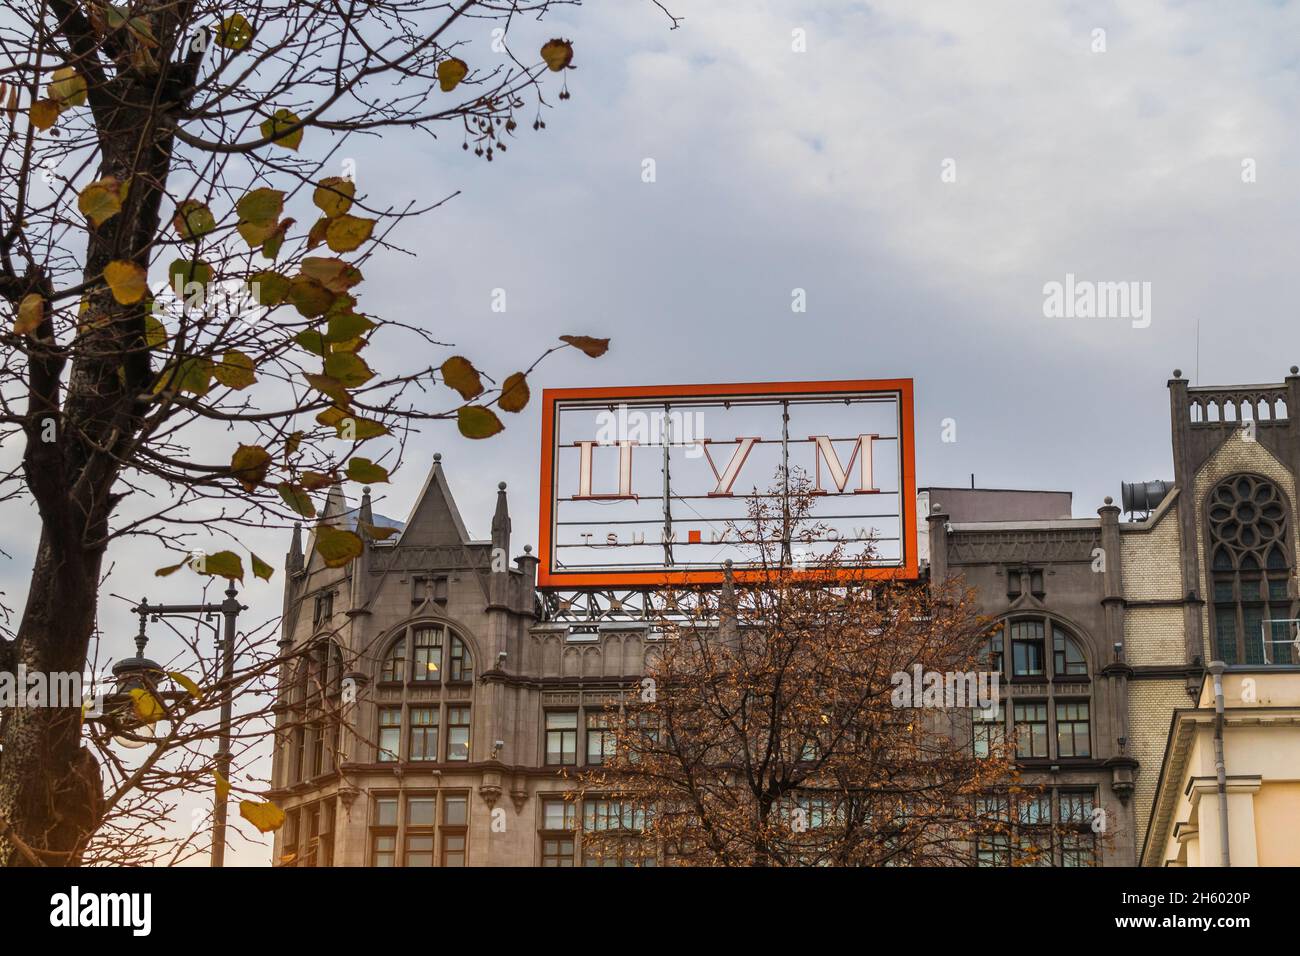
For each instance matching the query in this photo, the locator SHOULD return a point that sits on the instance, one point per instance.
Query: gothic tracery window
(1250, 567)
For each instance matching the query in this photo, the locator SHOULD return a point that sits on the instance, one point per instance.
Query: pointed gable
(435, 519)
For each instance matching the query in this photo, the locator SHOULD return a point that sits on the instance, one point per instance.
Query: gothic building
(465, 695)
(458, 707)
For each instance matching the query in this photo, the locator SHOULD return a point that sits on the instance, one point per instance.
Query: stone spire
(365, 516)
(293, 560)
(501, 523)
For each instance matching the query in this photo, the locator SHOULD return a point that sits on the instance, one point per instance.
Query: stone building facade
(465, 700)
(1206, 572)
(428, 645)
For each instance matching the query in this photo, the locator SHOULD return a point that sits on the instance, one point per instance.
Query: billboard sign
(641, 486)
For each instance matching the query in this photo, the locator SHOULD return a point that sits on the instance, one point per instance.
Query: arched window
(316, 694)
(434, 724)
(1250, 566)
(1055, 723)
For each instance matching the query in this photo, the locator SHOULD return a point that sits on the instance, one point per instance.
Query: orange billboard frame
(548, 577)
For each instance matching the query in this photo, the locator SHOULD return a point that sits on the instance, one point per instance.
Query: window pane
(1027, 648)
(419, 850)
(384, 850)
(420, 811)
(453, 809)
(457, 733)
(385, 812)
(390, 733)
(426, 655)
(558, 814)
(453, 849)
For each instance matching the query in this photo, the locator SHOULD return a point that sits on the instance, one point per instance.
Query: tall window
(1250, 564)
(1031, 728)
(990, 729)
(1027, 657)
(383, 831)
(390, 733)
(561, 737)
(462, 665)
(558, 820)
(394, 668)
(421, 812)
(455, 810)
(457, 733)
(426, 658)
(600, 736)
(323, 609)
(1072, 733)
(424, 734)
(315, 697)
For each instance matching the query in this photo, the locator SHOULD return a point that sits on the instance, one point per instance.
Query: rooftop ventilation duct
(1143, 496)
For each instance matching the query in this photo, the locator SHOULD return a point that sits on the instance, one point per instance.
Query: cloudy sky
(1109, 141)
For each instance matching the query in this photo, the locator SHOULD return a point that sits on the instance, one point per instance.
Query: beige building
(1256, 800)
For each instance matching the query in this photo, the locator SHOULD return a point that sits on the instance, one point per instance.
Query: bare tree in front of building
(773, 726)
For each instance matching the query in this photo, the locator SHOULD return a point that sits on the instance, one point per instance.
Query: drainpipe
(1216, 668)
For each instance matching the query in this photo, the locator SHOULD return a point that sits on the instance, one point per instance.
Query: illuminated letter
(624, 470)
(728, 476)
(840, 475)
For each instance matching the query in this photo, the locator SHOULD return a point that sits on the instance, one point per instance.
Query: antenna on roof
(972, 481)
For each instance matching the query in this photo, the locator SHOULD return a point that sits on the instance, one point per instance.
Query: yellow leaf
(193, 220)
(261, 206)
(557, 54)
(102, 200)
(223, 786)
(308, 296)
(366, 472)
(450, 73)
(265, 816)
(223, 564)
(191, 688)
(234, 33)
(44, 113)
(275, 125)
(128, 281)
(346, 232)
(297, 499)
(192, 375)
(514, 393)
(475, 421)
(260, 568)
(333, 195)
(336, 547)
(458, 373)
(348, 369)
(249, 465)
(67, 87)
(235, 370)
(146, 705)
(31, 312)
(331, 272)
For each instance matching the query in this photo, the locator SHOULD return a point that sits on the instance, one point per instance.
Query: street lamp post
(229, 609)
